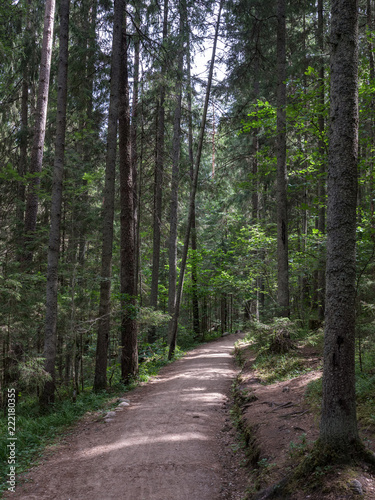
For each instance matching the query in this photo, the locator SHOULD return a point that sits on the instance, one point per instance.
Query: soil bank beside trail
(164, 446)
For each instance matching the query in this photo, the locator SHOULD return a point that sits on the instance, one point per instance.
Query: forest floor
(174, 438)
(282, 428)
(174, 441)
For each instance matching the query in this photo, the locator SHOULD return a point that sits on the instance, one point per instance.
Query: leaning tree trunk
(282, 202)
(173, 343)
(338, 430)
(100, 381)
(176, 146)
(36, 159)
(194, 266)
(129, 350)
(50, 336)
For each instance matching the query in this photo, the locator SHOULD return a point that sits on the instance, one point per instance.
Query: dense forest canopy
(160, 189)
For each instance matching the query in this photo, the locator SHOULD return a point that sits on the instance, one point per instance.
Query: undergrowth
(271, 367)
(365, 398)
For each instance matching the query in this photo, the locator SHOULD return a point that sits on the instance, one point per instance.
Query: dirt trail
(165, 446)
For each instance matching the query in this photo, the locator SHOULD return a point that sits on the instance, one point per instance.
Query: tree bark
(194, 267)
(36, 159)
(372, 78)
(50, 335)
(322, 178)
(90, 8)
(255, 196)
(100, 381)
(158, 185)
(338, 430)
(282, 202)
(24, 142)
(129, 347)
(134, 140)
(176, 146)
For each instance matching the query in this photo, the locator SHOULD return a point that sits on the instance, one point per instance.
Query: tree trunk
(338, 430)
(88, 124)
(282, 202)
(173, 343)
(100, 381)
(372, 134)
(176, 146)
(36, 159)
(158, 185)
(24, 144)
(134, 152)
(194, 267)
(50, 335)
(129, 352)
(322, 179)
(255, 196)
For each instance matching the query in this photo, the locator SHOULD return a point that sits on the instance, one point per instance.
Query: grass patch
(271, 368)
(365, 390)
(34, 431)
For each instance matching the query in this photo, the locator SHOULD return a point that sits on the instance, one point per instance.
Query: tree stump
(281, 342)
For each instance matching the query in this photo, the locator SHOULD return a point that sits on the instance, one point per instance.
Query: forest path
(165, 446)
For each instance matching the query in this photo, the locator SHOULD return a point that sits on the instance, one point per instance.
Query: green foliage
(32, 374)
(260, 334)
(300, 449)
(365, 390)
(263, 117)
(35, 431)
(273, 368)
(147, 316)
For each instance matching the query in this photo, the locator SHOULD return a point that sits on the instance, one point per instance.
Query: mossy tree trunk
(338, 429)
(282, 182)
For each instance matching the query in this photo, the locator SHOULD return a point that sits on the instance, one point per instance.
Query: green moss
(246, 434)
(273, 368)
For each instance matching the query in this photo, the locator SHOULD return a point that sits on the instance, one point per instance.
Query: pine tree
(338, 428)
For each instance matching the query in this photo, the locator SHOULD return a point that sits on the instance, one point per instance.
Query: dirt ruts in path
(165, 446)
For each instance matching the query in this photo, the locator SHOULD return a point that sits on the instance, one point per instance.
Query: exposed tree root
(319, 458)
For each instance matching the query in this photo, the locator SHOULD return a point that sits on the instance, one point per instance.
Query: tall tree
(104, 325)
(321, 223)
(134, 137)
(176, 147)
(36, 159)
(159, 168)
(24, 132)
(173, 340)
(282, 200)
(338, 430)
(370, 48)
(129, 347)
(50, 336)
